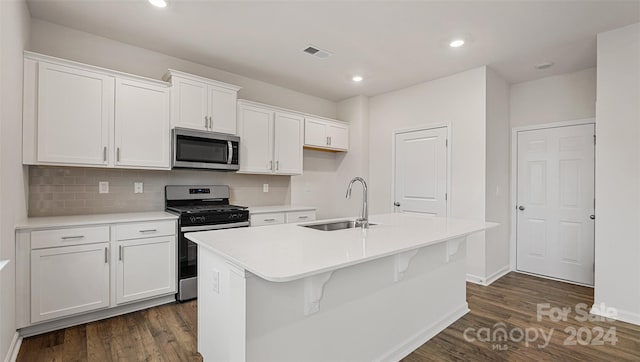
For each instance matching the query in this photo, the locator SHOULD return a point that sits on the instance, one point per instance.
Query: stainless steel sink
(335, 225)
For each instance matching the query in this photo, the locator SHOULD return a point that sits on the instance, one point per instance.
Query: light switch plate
(103, 187)
(138, 188)
(265, 187)
(215, 281)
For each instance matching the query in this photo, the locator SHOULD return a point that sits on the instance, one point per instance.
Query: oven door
(208, 150)
(188, 258)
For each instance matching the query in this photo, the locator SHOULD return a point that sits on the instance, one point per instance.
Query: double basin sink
(335, 225)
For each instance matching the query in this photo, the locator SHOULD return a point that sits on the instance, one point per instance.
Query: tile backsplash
(56, 191)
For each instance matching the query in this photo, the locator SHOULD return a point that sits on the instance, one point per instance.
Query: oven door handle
(230, 152)
(186, 229)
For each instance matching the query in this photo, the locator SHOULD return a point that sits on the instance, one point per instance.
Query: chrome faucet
(363, 221)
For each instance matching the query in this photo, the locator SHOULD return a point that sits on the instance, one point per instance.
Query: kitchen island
(293, 293)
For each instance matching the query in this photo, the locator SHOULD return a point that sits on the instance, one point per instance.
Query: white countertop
(286, 252)
(79, 220)
(278, 208)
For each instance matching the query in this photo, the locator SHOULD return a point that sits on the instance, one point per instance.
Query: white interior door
(555, 190)
(420, 179)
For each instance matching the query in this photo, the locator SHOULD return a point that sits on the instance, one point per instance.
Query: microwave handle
(230, 153)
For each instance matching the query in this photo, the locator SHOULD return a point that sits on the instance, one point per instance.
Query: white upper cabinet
(142, 135)
(79, 115)
(202, 104)
(325, 134)
(255, 126)
(288, 135)
(222, 109)
(270, 140)
(189, 104)
(74, 115)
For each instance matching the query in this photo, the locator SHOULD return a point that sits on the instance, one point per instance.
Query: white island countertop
(286, 252)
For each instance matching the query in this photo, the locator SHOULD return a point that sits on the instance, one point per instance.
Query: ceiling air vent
(317, 52)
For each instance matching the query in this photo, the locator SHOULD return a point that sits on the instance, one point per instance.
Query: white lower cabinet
(94, 271)
(281, 217)
(145, 268)
(69, 280)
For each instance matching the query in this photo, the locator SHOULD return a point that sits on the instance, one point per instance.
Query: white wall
(553, 99)
(459, 100)
(617, 276)
(327, 174)
(63, 42)
(498, 174)
(14, 35)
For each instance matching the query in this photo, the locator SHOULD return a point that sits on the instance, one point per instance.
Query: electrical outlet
(103, 187)
(265, 187)
(138, 188)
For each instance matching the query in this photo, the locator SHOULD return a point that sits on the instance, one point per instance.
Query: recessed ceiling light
(456, 43)
(544, 65)
(159, 3)
(357, 78)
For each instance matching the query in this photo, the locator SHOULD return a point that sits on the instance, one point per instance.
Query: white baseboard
(486, 281)
(622, 315)
(75, 320)
(420, 338)
(14, 348)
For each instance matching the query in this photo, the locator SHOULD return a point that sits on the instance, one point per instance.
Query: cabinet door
(74, 115)
(189, 104)
(315, 133)
(142, 125)
(69, 280)
(338, 136)
(288, 131)
(222, 109)
(145, 268)
(256, 139)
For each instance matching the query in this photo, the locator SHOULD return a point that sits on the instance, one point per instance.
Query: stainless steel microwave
(204, 150)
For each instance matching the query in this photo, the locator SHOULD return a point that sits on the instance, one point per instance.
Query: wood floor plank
(169, 332)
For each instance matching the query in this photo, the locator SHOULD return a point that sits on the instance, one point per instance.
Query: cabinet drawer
(67, 237)
(145, 229)
(267, 219)
(301, 216)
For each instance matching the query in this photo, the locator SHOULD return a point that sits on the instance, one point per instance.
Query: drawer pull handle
(303, 217)
(269, 219)
(120, 253)
(106, 255)
(72, 237)
(149, 231)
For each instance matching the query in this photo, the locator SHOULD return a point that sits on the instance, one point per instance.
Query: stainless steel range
(199, 208)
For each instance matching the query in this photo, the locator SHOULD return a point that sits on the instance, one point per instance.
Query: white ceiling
(393, 44)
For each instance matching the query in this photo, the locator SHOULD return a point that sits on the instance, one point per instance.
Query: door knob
(592, 217)
(521, 208)
(396, 204)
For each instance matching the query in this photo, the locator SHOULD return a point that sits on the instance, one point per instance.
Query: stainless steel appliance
(206, 150)
(199, 208)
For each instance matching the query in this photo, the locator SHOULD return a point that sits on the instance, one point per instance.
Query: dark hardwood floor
(168, 333)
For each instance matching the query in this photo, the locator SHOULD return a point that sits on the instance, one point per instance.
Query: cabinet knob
(592, 217)
(396, 204)
(521, 208)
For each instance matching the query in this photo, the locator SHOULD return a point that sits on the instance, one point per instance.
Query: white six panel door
(421, 172)
(555, 190)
